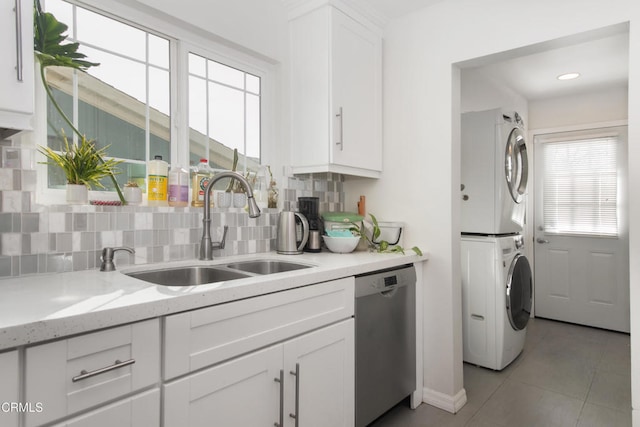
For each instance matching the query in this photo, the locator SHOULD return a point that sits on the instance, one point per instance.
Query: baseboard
(444, 401)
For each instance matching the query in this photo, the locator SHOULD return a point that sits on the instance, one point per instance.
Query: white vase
(133, 195)
(224, 199)
(77, 194)
(239, 200)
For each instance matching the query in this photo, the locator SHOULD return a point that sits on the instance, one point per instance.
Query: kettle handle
(305, 230)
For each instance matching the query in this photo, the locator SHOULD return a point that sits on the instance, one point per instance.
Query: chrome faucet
(107, 257)
(206, 245)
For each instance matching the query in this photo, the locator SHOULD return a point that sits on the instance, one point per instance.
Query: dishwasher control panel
(384, 280)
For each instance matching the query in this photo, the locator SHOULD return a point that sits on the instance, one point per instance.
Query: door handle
(539, 240)
(341, 118)
(280, 380)
(296, 415)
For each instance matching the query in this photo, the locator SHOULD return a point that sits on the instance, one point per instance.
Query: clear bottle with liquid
(201, 176)
(178, 187)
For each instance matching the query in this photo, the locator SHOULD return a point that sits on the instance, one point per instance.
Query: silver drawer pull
(118, 364)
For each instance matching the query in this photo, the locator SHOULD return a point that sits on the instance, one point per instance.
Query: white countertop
(43, 307)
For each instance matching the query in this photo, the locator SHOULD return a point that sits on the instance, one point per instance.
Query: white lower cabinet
(324, 363)
(82, 373)
(310, 378)
(142, 410)
(9, 388)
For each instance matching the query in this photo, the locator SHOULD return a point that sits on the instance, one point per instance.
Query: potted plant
(272, 191)
(51, 50)
(381, 246)
(82, 165)
(225, 198)
(132, 193)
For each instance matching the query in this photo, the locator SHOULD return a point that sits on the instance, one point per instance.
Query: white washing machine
(494, 172)
(496, 299)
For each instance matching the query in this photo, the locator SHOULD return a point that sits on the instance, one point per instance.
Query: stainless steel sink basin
(266, 266)
(187, 276)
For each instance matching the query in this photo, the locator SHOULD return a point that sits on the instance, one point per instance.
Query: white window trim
(182, 40)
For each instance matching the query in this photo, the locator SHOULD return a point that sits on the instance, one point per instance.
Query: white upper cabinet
(16, 64)
(336, 93)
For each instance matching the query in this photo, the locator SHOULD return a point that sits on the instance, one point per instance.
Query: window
(126, 102)
(581, 187)
(224, 114)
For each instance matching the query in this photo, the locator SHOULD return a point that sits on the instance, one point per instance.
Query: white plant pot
(239, 200)
(77, 194)
(133, 195)
(224, 199)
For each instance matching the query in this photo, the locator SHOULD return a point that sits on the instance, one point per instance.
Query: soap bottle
(201, 177)
(178, 187)
(157, 171)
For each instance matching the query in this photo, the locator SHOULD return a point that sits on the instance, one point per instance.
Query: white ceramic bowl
(341, 245)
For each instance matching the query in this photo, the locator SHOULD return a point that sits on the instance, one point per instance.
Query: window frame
(183, 39)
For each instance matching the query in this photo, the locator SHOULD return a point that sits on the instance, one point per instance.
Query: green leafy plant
(230, 187)
(51, 49)
(381, 246)
(81, 163)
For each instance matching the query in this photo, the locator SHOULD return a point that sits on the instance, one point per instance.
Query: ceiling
(601, 57)
(603, 63)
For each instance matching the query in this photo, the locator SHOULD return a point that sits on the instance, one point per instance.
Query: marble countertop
(44, 307)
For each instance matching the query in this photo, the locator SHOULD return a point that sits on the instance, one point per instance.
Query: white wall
(421, 133)
(480, 92)
(634, 204)
(602, 106)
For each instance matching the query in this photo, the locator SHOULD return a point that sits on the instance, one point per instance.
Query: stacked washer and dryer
(496, 275)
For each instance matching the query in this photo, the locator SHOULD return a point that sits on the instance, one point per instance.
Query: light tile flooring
(567, 375)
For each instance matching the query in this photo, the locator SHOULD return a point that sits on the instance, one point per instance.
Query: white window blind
(580, 187)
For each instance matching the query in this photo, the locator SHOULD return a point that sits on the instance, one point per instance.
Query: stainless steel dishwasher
(385, 327)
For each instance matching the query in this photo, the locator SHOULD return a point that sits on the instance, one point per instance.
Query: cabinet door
(241, 392)
(16, 64)
(9, 388)
(356, 94)
(319, 377)
(142, 410)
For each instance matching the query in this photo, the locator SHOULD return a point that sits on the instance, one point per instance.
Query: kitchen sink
(267, 266)
(187, 276)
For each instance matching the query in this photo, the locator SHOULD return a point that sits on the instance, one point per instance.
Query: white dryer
(496, 299)
(494, 172)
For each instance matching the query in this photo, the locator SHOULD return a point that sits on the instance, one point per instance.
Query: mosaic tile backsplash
(37, 239)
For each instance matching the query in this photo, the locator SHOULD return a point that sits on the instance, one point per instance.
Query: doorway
(580, 227)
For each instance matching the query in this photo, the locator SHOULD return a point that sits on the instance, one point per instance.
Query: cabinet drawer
(9, 388)
(200, 338)
(54, 371)
(142, 410)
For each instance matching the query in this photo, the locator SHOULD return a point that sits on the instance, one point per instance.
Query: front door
(581, 234)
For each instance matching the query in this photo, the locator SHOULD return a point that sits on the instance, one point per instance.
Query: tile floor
(567, 375)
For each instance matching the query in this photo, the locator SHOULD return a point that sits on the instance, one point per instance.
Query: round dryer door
(519, 288)
(516, 165)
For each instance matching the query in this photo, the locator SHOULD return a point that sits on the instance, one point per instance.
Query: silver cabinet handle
(296, 416)
(539, 240)
(281, 381)
(341, 141)
(118, 364)
(18, 10)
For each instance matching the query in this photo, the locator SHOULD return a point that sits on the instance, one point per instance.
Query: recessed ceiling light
(568, 76)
